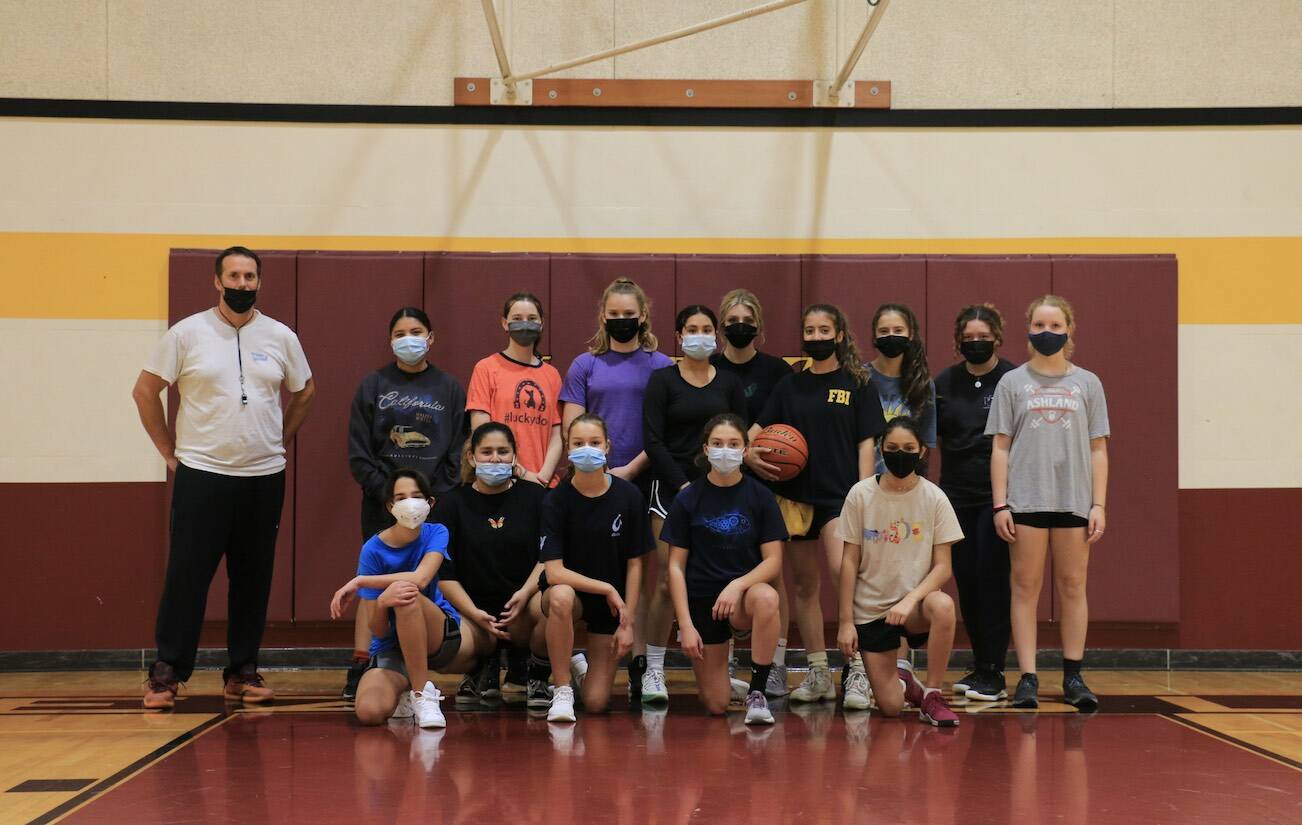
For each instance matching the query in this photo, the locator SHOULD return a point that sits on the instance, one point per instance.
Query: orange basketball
(789, 450)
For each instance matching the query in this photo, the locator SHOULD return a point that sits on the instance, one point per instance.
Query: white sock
(905, 664)
(578, 658)
(927, 690)
(655, 658)
(780, 654)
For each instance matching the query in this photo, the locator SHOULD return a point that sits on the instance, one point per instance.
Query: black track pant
(216, 515)
(981, 571)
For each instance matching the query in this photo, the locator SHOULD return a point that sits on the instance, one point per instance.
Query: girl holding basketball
(595, 529)
(836, 409)
(679, 400)
(609, 380)
(897, 529)
(1049, 477)
(725, 534)
(964, 395)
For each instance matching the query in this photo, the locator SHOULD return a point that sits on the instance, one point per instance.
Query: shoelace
(657, 679)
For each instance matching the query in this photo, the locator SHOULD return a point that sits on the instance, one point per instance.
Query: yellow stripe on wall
(1225, 280)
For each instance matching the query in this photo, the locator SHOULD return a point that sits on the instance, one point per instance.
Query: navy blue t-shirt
(722, 529)
(595, 537)
(379, 559)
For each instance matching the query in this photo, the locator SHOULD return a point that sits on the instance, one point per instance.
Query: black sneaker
(354, 677)
(540, 694)
(636, 670)
(987, 686)
(962, 686)
(1027, 694)
(1077, 694)
(488, 680)
(468, 690)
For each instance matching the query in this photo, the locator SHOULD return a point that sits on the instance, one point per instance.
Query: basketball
(790, 452)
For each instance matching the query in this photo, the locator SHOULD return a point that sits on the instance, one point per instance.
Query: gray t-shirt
(1051, 420)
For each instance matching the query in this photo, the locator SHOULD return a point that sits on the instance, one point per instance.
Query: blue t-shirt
(612, 385)
(379, 559)
(890, 389)
(722, 529)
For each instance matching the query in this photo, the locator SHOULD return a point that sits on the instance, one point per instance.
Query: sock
(655, 658)
(904, 664)
(540, 668)
(780, 654)
(361, 657)
(759, 677)
(732, 649)
(1071, 667)
(818, 659)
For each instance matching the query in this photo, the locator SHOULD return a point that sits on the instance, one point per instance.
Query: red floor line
(1236, 742)
(148, 760)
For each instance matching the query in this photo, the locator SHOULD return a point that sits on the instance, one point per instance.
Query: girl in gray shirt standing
(1049, 476)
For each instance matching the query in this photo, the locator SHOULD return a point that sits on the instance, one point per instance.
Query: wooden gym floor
(1178, 747)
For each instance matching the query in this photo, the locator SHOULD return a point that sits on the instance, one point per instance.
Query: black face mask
(740, 335)
(623, 330)
(239, 300)
(977, 352)
(524, 333)
(1048, 343)
(901, 463)
(820, 349)
(891, 345)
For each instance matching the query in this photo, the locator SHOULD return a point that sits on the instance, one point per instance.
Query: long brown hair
(915, 375)
(646, 340)
(847, 352)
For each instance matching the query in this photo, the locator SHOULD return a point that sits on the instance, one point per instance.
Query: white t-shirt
(896, 532)
(214, 431)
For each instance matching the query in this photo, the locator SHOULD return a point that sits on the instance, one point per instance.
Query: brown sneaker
(247, 686)
(161, 687)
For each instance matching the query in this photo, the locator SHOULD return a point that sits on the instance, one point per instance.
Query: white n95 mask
(411, 512)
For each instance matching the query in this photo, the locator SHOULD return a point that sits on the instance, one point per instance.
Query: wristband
(1002, 508)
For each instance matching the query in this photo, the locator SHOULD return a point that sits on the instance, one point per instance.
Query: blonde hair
(646, 340)
(1060, 303)
(743, 298)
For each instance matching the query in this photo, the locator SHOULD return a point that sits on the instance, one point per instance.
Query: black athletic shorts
(391, 659)
(660, 498)
(879, 637)
(595, 610)
(1048, 520)
(822, 515)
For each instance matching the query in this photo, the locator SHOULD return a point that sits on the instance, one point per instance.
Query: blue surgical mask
(588, 459)
(410, 349)
(493, 474)
(699, 347)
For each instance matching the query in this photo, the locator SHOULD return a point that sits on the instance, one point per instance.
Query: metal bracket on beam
(825, 96)
(518, 93)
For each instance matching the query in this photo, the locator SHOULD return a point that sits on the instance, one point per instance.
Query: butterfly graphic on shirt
(496, 523)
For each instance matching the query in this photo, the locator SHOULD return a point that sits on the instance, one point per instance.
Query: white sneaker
(403, 710)
(562, 709)
(858, 693)
(426, 705)
(776, 687)
(653, 687)
(739, 690)
(757, 709)
(578, 670)
(816, 687)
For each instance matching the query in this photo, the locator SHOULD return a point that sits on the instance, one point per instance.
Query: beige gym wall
(937, 53)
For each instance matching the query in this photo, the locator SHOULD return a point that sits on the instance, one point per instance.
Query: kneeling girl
(725, 535)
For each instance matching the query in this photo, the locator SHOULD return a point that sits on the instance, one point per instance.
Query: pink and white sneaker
(934, 710)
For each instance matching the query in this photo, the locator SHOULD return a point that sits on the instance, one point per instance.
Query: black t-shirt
(758, 377)
(961, 412)
(722, 529)
(834, 414)
(673, 414)
(492, 539)
(596, 537)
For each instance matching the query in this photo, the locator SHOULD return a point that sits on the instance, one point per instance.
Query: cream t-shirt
(897, 532)
(214, 431)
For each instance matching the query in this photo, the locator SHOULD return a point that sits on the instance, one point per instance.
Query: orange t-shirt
(524, 397)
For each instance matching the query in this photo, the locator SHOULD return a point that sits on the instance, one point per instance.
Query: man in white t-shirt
(228, 364)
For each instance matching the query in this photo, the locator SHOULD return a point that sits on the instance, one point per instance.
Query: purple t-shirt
(612, 385)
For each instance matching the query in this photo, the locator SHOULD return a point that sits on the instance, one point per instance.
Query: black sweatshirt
(407, 420)
(673, 414)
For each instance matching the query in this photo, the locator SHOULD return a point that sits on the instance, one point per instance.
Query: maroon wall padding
(1126, 334)
(464, 292)
(89, 581)
(577, 284)
(775, 280)
(1239, 569)
(191, 289)
(1010, 283)
(344, 308)
(858, 284)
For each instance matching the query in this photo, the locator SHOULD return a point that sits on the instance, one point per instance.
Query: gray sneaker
(816, 687)
(776, 686)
